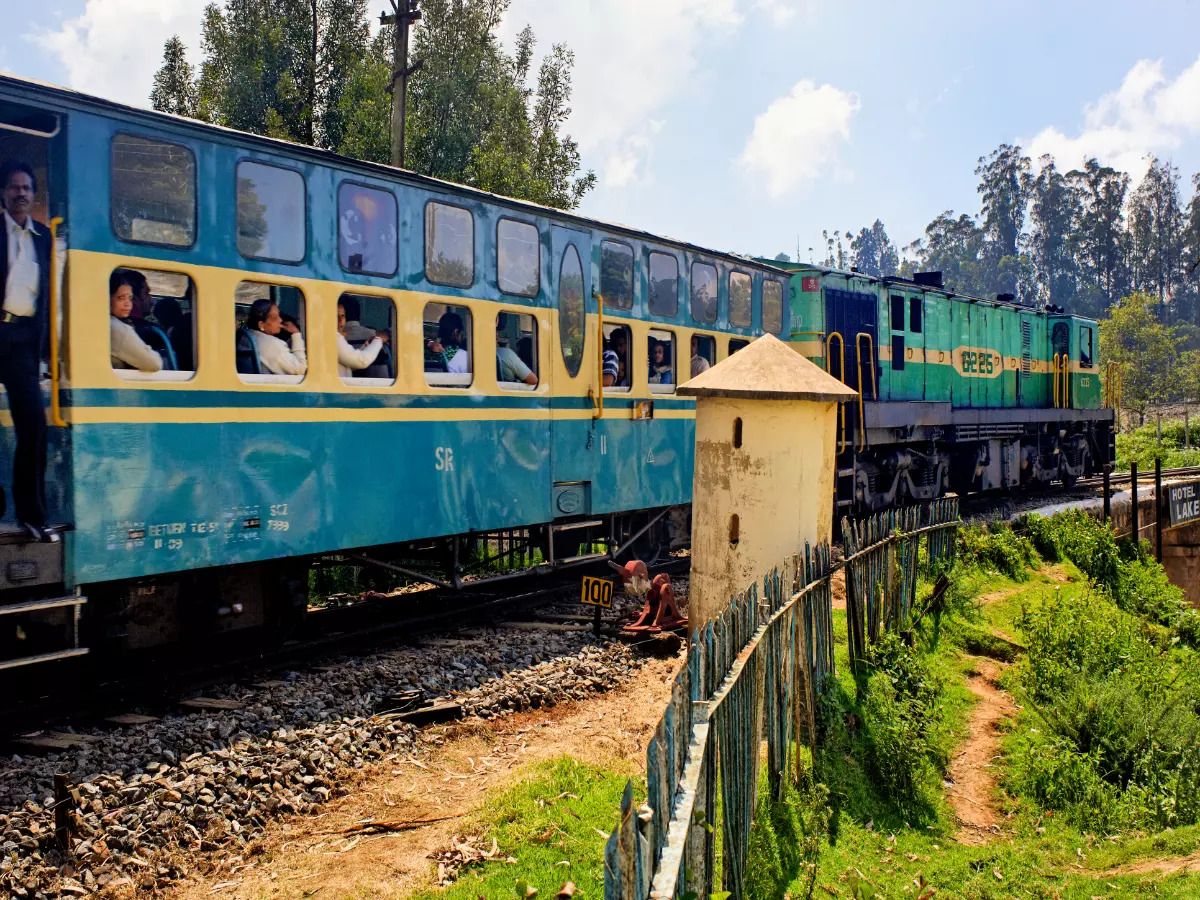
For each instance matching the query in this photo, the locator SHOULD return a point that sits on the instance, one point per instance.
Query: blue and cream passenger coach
(195, 497)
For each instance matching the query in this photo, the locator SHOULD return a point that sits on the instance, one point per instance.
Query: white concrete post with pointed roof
(766, 432)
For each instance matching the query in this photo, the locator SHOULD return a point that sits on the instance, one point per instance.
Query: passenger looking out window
(127, 349)
(447, 348)
(516, 366)
(350, 358)
(278, 341)
(143, 320)
(615, 363)
(662, 358)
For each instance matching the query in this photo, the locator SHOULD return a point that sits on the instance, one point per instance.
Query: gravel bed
(155, 794)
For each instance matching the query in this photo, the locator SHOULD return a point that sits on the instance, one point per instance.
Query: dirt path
(1175, 865)
(460, 764)
(972, 781)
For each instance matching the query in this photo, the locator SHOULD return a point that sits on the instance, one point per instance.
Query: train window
(153, 192)
(447, 333)
(897, 312)
(516, 351)
(367, 229)
(616, 274)
(449, 245)
(772, 305)
(704, 292)
(897, 353)
(740, 291)
(664, 284)
(152, 328)
(1085, 346)
(704, 353)
(572, 320)
(660, 347)
(518, 258)
(269, 340)
(736, 344)
(365, 325)
(271, 212)
(915, 309)
(617, 342)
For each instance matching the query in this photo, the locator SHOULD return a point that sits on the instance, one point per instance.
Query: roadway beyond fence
(755, 672)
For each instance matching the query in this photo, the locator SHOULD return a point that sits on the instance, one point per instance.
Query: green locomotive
(956, 393)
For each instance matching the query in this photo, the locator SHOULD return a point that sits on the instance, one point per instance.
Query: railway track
(96, 690)
(1119, 478)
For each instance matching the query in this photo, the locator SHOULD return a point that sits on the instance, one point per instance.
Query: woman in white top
(128, 351)
(351, 359)
(274, 356)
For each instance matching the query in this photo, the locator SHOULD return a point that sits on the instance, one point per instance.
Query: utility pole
(404, 13)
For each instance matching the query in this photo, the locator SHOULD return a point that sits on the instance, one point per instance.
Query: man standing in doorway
(24, 332)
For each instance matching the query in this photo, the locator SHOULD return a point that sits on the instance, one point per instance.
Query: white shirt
(21, 285)
(279, 358)
(128, 350)
(460, 363)
(512, 368)
(350, 359)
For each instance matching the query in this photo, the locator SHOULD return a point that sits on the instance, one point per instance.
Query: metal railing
(754, 673)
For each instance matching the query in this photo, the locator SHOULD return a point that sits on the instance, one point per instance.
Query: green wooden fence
(754, 673)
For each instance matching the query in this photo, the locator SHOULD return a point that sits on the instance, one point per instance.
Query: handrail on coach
(56, 416)
(597, 397)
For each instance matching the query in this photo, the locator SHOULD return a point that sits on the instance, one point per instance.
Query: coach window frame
(164, 375)
(608, 302)
(650, 293)
(652, 335)
(307, 218)
(537, 268)
(354, 182)
(360, 294)
(763, 282)
(749, 322)
(425, 244)
(261, 378)
(112, 223)
(716, 283)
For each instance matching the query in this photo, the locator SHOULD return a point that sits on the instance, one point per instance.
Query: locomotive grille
(1026, 344)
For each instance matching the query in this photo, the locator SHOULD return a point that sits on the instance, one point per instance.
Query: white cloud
(1148, 113)
(798, 136)
(632, 58)
(114, 47)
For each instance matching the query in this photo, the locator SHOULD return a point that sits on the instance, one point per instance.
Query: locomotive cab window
(617, 374)
(153, 197)
(704, 353)
(616, 274)
(365, 325)
(516, 351)
(660, 346)
(664, 285)
(772, 305)
(152, 333)
(447, 336)
(704, 292)
(740, 292)
(367, 229)
(1085, 346)
(269, 340)
(449, 245)
(915, 318)
(572, 318)
(271, 212)
(897, 312)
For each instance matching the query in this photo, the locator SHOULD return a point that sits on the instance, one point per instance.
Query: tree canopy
(309, 71)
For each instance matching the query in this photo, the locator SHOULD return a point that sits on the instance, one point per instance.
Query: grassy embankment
(1098, 774)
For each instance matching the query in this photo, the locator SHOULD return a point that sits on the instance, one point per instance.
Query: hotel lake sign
(1183, 502)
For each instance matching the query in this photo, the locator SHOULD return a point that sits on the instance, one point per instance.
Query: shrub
(996, 547)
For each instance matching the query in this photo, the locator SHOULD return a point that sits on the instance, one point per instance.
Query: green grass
(551, 817)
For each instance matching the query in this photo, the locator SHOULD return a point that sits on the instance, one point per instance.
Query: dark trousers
(19, 362)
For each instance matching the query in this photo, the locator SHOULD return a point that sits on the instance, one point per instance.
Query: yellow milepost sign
(596, 591)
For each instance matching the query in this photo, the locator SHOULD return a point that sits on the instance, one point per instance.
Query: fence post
(1133, 509)
(1107, 493)
(1158, 509)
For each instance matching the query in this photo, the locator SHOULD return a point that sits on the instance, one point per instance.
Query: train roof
(800, 267)
(78, 98)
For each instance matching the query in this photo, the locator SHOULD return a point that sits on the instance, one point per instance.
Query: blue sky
(747, 125)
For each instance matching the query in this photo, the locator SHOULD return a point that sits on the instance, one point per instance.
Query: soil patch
(838, 584)
(446, 780)
(1172, 866)
(971, 778)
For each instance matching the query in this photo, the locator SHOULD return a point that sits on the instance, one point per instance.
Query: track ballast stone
(157, 796)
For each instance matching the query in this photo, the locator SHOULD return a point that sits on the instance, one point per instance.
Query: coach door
(575, 447)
